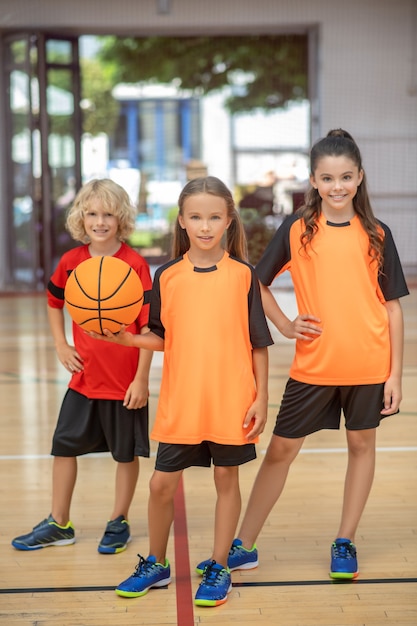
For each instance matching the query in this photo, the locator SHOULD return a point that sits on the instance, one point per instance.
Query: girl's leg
(162, 486)
(227, 513)
(268, 486)
(125, 485)
(358, 481)
(64, 475)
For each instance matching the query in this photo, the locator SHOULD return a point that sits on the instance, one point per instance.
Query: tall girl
(206, 314)
(349, 338)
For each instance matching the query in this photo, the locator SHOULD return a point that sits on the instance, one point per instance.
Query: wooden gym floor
(74, 585)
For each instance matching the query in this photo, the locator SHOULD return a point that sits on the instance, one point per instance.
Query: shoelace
(233, 549)
(212, 576)
(143, 566)
(343, 550)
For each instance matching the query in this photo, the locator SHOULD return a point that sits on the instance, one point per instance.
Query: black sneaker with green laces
(116, 536)
(46, 533)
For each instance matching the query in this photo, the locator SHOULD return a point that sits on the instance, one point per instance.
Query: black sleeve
(155, 324)
(277, 253)
(391, 279)
(258, 327)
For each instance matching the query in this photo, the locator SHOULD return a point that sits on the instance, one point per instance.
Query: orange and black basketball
(103, 292)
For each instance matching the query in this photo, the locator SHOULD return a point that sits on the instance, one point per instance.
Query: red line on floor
(185, 612)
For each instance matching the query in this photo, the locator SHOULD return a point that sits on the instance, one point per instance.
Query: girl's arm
(148, 341)
(392, 388)
(258, 412)
(137, 393)
(300, 328)
(67, 354)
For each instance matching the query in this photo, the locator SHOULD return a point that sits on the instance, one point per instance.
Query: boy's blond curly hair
(114, 200)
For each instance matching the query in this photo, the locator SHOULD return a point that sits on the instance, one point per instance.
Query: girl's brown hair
(114, 200)
(339, 142)
(236, 243)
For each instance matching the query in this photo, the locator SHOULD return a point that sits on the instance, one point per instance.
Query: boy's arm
(258, 412)
(67, 354)
(392, 388)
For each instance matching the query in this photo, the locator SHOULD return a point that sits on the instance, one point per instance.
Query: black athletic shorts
(86, 425)
(172, 457)
(306, 409)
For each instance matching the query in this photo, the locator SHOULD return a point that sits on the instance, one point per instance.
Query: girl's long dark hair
(236, 243)
(339, 142)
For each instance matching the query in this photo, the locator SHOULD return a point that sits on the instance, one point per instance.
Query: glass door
(60, 88)
(23, 166)
(43, 121)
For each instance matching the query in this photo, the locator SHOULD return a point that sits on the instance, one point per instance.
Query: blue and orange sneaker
(116, 536)
(238, 558)
(148, 574)
(344, 563)
(46, 533)
(214, 587)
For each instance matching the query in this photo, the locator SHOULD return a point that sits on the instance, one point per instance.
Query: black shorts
(306, 409)
(86, 425)
(173, 457)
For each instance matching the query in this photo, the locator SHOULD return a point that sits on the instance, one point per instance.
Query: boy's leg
(227, 513)
(117, 533)
(64, 475)
(358, 481)
(56, 530)
(125, 485)
(268, 486)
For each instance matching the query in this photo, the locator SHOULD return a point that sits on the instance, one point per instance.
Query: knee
(361, 442)
(282, 450)
(226, 478)
(161, 487)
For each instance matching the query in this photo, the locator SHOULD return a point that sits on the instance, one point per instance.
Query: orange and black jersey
(336, 281)
(210, 320)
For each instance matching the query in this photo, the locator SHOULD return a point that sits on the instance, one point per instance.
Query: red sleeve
(58, 280)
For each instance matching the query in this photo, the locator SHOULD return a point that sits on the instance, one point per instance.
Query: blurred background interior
(156, 92)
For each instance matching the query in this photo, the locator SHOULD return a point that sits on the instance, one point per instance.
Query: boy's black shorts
(306, 409)
(172, 457)
(86, 425)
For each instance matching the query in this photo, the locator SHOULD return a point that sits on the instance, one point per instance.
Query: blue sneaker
(214, 587)
(344, 563)
(148, 574)
(239, 558)
(116, 536)
(47, 533)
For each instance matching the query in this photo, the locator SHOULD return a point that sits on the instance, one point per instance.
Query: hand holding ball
(103, 292)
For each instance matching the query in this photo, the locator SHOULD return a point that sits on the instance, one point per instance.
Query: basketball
(103, 292)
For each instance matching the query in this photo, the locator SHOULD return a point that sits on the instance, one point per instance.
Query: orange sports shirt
(337, 283)
(210, 320)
